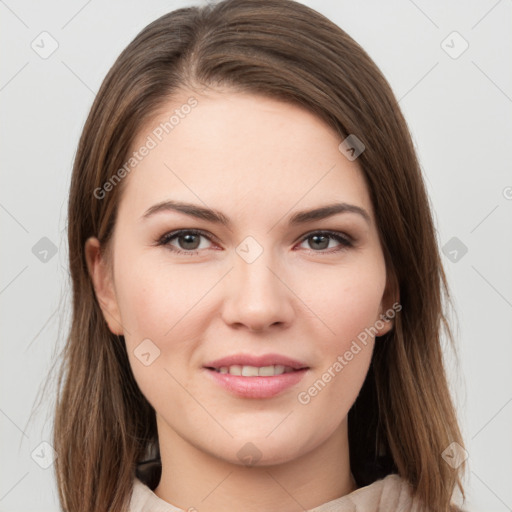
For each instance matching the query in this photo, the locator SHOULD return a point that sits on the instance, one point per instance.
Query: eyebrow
(217, 217)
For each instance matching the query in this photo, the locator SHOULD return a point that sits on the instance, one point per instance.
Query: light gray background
(459, 113)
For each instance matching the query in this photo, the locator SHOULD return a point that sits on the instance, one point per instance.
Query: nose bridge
(256, 296)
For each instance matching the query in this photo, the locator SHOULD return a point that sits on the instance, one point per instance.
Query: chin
(260, 450)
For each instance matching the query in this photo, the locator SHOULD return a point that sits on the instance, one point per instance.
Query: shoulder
(391, 493)
(143, 499)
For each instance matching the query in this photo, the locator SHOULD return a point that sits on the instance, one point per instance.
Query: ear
(390, 305)
(102, 280)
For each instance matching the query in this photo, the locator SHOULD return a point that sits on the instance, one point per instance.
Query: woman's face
(264, 288)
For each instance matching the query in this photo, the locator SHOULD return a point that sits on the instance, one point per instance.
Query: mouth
(248, 364)
(256, 376)
(254, 371)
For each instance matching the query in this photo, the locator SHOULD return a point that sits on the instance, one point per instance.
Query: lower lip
(257, 387)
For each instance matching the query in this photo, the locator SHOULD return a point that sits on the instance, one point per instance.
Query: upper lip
(252, 360)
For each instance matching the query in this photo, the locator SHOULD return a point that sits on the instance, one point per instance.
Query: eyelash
(165, 240)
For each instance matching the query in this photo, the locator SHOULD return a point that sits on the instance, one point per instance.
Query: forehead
(236, 150)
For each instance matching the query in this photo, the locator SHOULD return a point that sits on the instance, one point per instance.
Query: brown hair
(403, 418)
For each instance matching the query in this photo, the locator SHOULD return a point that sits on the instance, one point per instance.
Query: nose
(257, 296)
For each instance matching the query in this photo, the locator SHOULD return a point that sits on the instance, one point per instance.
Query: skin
(258, 161)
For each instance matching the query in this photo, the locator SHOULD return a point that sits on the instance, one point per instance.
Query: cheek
(349, 308)
(155, 299)
(161, 314)
(348, 298)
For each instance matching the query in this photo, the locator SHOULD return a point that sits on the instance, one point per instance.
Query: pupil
(324, 241)
(189, 239)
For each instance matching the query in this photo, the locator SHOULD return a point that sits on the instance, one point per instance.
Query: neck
(194, 479)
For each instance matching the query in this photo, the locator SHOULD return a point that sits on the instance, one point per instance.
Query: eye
(321, 240)
(188, 241)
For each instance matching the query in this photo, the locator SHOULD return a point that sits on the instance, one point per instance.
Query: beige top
(391, 493)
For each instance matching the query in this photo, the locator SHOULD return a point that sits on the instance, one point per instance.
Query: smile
(254, 371)
(255, 382)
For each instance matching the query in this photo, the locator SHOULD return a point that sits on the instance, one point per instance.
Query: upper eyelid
(329, 232)
(178, 232)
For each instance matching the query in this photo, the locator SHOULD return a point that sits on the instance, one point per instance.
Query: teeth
(268, 371)
(255, 371)
(250, 371)
(235, 369)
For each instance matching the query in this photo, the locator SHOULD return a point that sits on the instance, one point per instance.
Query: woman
(257, 290)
